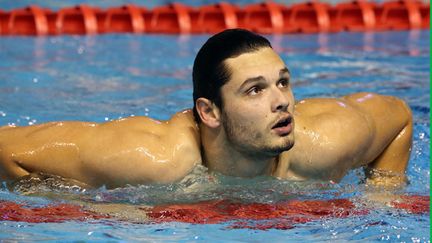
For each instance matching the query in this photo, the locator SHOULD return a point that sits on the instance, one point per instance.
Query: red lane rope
(260, 216)
(255, 215)
(11, 211)
(413, 204)
(177, 18)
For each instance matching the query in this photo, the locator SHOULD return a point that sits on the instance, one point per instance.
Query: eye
(283, 83)
(254, 90)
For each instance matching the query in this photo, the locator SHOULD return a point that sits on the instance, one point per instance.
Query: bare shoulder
(184, 130)
(371, 103)
(184, 119)
(148, 132)
(328, 132)
(373, 108)
(329, 115)
(334, 135)
(44, 132)
(178, 120)
(143, 150)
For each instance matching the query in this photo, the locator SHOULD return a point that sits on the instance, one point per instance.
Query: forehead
(263, 62)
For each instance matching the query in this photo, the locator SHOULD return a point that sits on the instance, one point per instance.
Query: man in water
(244, 123)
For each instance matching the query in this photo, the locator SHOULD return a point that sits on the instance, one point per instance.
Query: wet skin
(259, 130)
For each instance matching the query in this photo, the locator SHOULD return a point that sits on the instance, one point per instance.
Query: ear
(208, 112)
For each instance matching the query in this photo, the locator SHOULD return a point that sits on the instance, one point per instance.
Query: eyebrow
(282, 72)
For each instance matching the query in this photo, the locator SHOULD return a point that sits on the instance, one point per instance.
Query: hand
(380, 179)
(120, 211)
(381, 198)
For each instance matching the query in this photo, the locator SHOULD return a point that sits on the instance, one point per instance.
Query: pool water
(100, 78)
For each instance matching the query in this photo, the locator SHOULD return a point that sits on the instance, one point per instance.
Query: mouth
(284, 126)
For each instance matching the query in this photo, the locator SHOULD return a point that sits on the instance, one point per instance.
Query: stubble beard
(251, 142)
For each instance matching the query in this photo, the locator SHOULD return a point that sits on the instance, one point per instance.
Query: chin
(280, 148)
(287, 146)
(288, 143)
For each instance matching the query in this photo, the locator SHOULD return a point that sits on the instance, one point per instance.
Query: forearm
(389, 168)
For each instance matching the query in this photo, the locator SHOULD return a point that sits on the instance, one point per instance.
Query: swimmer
(244, 123)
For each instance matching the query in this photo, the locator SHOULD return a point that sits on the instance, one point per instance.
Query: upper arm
(391, 120)
(51, 148)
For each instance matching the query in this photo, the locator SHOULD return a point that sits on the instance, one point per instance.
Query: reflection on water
(348, 210)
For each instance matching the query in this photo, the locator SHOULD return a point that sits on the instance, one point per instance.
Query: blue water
(99, 78)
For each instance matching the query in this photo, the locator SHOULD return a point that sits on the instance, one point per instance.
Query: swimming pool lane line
(177, 18)
(257, 216)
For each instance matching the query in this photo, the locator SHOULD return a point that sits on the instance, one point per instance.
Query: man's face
(258, 104)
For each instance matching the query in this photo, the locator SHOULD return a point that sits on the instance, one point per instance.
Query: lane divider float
(177, 18)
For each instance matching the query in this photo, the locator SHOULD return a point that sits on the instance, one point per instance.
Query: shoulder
(373, 104)
(141, 150)
(364, 99)
(368, 108)
(330, 135)
(183, 118)
(333, 135)
(357, 99)
(330, 115)
(183, 122)
(180, 120)
(180, 126)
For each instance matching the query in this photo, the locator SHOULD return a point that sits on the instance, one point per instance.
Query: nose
(280, 101)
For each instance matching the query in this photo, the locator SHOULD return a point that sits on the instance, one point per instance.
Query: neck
(221, 156)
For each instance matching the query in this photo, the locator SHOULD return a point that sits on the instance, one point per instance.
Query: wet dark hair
(209, 72)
